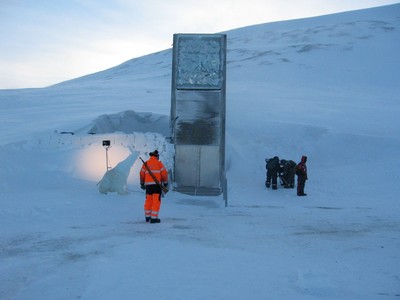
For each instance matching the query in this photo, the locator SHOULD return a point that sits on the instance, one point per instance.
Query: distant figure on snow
(153, 167)
(272, 166)
(287, 172)
(301, 172)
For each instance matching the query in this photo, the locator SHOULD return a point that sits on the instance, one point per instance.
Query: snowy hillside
(325, 87)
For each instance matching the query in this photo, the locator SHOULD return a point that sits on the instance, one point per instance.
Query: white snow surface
(325, 87)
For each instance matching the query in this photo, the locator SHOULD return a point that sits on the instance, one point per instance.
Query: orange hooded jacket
(157, 168)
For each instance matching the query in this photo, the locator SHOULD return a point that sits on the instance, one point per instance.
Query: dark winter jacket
(273, 164)
(301, 168)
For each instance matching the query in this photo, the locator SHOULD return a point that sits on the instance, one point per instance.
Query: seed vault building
(198, 101)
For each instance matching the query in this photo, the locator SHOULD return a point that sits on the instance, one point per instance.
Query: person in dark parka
(287, 173)
(301, 172)
(272, 167)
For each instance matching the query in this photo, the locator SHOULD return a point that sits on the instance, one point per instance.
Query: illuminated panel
(199, 60)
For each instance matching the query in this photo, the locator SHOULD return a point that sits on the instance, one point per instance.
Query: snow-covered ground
(325, 87)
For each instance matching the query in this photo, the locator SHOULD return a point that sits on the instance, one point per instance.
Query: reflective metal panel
(186, 165)
(199, 117)
(200, 61)
(197, 166)
(209, 160)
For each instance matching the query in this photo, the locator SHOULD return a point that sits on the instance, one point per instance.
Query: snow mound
(131, 121)
(86, 153)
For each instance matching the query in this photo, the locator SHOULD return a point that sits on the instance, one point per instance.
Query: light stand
(106, 145)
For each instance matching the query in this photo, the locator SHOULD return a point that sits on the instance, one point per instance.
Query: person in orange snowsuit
(153, 190)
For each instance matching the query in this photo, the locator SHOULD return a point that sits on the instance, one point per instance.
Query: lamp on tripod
(106, 145)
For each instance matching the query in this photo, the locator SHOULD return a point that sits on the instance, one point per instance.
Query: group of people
(286, 170)
(154, 180)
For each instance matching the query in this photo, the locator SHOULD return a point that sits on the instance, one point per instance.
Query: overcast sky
(44, 42)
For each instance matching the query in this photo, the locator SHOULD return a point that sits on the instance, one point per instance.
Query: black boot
(155, 221)
(147, 219)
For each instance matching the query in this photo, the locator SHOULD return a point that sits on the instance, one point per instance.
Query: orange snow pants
(152, 205)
